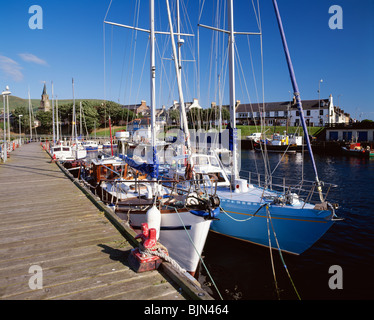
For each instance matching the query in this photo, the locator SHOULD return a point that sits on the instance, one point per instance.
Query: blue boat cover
(146, 168)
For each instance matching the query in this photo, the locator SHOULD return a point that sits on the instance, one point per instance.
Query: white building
(188, 105)
(316, 112)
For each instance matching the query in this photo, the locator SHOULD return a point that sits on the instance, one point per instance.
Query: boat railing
(305, 189)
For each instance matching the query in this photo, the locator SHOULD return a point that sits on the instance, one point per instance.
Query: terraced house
(317, 113)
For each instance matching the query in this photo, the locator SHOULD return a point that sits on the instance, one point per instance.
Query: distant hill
(15, 102)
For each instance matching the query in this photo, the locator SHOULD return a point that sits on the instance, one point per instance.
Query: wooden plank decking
(45, 220)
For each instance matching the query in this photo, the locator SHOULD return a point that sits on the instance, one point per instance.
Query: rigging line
(141, 73)
(132, 58)
(110, 4)
(104, 53)
(271, 254)
(162, 72)
(135, 38)
(281, 255)
(240, 66)
(125, 51)
(201, 259)
(111, 62)
(254, 77)
(104, 44)
(201, 10)
(255, 12)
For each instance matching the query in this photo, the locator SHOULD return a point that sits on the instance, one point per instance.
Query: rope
(201, 259)
(280, 253)
(160, 251)
(244, 220)
(271, 256)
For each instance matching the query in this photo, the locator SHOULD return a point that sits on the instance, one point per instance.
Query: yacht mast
(74, 128)
(297, 96)
(153, 85)
(30, 115)
(53, 117)
(179, 81)
(230, 13)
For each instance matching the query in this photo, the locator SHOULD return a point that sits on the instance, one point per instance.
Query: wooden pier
(46, 221)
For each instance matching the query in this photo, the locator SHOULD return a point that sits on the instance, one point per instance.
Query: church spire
(44, 102)
(44, 89)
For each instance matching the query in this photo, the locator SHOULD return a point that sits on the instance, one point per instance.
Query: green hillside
(15, 102)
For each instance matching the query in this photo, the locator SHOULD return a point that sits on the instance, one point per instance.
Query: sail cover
(152, 169)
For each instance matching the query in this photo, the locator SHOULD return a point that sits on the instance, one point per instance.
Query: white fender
(153, 219)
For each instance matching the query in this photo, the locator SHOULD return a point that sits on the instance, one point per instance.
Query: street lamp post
(19, 123)
(319, 101)
(6, 92)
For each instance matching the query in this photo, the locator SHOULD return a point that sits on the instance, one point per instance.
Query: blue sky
(74, 44)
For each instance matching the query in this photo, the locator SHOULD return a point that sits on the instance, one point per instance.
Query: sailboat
(182, 217)
(259, 212)
(79, 152)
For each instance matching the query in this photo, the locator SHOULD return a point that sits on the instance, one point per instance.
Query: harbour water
(243, 271)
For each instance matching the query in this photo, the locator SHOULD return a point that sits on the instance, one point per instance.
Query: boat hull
(357, 153)
(183, 234)
(295, 229)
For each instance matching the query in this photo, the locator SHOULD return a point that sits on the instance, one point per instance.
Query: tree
(174, 116)
(25, 119)
(45, 119)
(110, 108)
(90, 116)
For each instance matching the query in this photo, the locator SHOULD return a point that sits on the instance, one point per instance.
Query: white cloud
(11, 68)
(28, 57)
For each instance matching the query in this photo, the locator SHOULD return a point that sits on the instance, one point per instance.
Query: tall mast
(230, 12)
(74, 131)
(297, 96)
(153, 83)
(57, 129)
(53, 117)
(179, 81)
(179, 57)
(80, 119)
(30, 115)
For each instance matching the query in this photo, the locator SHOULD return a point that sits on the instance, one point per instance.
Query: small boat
(79, 151)
(91, 145)
(356, 150)
(63, 153)
(181, 218)
(185, 218)
(107, 145)
(263, 211)
(280, 143)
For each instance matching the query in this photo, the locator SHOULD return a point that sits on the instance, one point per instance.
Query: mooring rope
(271, 255)
(162, 252)
(280, 254)
(201, 259)
(243, 220)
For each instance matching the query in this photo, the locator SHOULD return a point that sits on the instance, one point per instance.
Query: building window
(308, 113)
(321, 112)
(275, 113)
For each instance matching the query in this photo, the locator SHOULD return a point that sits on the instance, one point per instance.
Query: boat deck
(46, 221)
